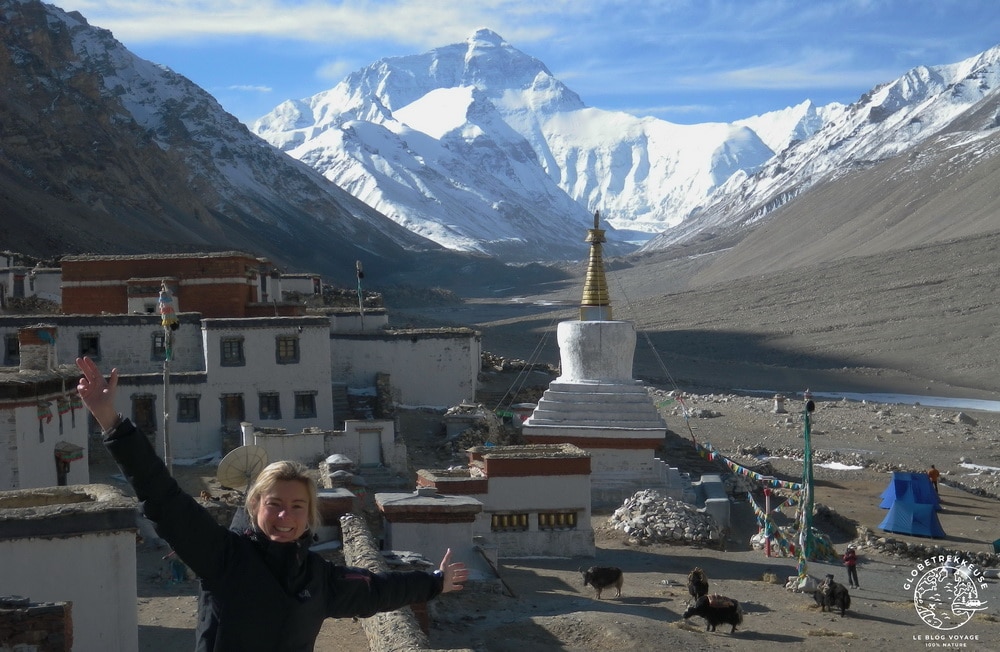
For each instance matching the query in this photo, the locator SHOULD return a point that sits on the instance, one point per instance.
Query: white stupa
(595, 403)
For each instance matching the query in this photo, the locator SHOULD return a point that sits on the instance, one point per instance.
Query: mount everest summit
(477, 146)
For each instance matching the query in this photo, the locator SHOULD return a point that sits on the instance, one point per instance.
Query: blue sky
(686, 61)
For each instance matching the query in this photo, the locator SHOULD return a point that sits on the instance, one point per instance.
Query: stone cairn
(650, 517)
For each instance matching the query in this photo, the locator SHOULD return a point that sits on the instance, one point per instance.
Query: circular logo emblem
(946, 597)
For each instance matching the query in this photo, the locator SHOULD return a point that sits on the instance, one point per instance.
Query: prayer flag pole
(168, 318)
(806, 543)
(361, 296)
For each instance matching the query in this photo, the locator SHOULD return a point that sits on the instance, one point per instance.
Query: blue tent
(911, 487)
(913, 505)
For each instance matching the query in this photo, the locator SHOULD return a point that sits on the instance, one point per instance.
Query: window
(159, 346)
(286, 350)
(232, 352)
(90, 345)
(187, 408)
(305, 405)
(11, 351)
(270, 406)
(144, 413)
(557, 521)
(509, 522)
(233, 413)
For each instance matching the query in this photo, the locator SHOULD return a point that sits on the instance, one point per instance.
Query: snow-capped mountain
(891, 120)
(445, 141)
(106, 152)
(477, 146)
(474, 146)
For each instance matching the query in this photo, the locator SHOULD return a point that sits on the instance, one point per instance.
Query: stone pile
(493, 362)
(651, 517)
(920, 551)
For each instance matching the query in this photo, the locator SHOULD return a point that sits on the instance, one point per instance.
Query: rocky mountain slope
(103, 152)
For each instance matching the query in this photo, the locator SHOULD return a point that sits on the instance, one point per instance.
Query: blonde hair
(276, 472)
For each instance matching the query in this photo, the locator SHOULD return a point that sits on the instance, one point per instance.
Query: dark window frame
(269, 406)
(89, 344)
(305, 405)
(231, 352)
(144, 413)
(188, 408)
(286, 349)
(11, 350)
(158, 346)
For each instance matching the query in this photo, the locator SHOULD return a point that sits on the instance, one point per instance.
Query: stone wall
(38, 627)
(393, 630)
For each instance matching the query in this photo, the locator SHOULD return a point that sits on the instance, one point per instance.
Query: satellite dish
(240, 466)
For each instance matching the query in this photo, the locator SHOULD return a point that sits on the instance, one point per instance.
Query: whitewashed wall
(433, 540)
(96, 572)
(312, 447)
(534, 495)
(27, 458)
(126, 341)
(542, 492)
(45, 283)
(308, 448)
(353, 321)
(426, 368)
(301, 283)
(262, 373)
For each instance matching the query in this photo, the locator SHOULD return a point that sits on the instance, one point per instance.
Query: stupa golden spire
(596, 304)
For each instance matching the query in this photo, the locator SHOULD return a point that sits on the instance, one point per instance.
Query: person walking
(933, 474)
(262, 589)
(851, 562)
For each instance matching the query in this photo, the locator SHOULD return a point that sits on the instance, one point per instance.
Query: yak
(603, 577)
(716, 610)
(697, 583)
(832, 595)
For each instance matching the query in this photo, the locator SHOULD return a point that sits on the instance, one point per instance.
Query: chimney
(37, 347)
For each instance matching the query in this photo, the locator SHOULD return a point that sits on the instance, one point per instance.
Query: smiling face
(283, 511)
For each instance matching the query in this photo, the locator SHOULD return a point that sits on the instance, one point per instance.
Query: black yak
(832, 595)
(716, 610)
(697, 583)
(602, 577)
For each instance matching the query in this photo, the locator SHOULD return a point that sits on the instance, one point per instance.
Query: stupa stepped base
(596, 405)
(595, 436)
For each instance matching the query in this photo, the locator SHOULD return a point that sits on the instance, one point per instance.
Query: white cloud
(250, 88)
(417, 23)
(335, 70)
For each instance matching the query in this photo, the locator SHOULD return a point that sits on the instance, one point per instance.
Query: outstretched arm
(98, 392)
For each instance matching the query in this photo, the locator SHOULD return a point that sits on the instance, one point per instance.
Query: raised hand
(455, 573)
(98, 392)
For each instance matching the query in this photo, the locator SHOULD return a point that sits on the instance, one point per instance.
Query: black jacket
(256, 594)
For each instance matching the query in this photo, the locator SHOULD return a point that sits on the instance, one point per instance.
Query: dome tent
(913, 505)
